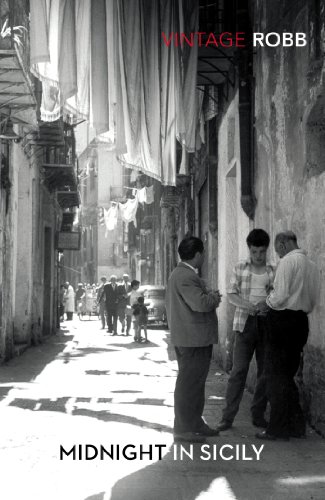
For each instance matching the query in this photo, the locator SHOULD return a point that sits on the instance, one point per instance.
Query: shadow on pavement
(27, 367)
(197, 479)
(136, 345)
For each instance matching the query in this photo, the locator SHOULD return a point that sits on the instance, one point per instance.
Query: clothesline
(127, 210)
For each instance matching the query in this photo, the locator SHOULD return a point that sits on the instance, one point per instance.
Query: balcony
(16, 83)
(59, 163)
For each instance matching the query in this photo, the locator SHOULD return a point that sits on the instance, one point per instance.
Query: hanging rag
(149, 195)
(128, 210)
(110, 218)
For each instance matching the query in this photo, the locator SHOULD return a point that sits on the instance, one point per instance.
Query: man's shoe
(207, 431)
(188, 437)
(260, 422)
(224, 425)
(270, 437)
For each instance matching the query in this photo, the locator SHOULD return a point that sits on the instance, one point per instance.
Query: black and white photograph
(162, 249)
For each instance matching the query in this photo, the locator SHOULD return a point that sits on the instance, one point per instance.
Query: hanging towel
(99, 63)
(110, 217)
(142, 195)
(128, 210)
(78, 104)
(39, 42)
(149, 195)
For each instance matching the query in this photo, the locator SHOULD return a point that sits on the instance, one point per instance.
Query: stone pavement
(94, 394)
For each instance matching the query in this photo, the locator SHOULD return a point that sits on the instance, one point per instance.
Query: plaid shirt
(240, 283)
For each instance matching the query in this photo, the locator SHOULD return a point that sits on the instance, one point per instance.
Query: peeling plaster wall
(24, 278)
(290, 173)
(233, 223)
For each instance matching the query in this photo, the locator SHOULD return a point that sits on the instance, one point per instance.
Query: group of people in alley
(123, 302)
(114, 301)
(271, 320)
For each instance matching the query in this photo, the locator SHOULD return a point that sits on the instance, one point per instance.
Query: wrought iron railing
(14, 28)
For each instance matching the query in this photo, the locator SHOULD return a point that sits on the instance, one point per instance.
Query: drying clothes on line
(99, 63)
(78, 104)
(145, 194)
(110, 218)
(189, 18)
(128, 210)
(142, 195)
(149, 195)
(60, 49)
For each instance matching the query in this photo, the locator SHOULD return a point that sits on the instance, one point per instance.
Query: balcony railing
(14, 26)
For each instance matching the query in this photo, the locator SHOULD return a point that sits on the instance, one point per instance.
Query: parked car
(154, 296)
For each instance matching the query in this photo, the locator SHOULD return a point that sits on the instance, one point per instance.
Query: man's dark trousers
(287, 334)
(189, 395)
(250, 340)
(111, 319)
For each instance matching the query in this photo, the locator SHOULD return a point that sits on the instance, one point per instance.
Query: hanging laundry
(149, 195)
(128, 210)
(101, 216)
(142, 195)
(78, 104)
(110, 217)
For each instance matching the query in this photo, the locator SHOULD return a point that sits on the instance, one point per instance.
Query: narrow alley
(85, 387)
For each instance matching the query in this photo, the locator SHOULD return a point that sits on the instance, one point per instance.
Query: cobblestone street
(84, 387)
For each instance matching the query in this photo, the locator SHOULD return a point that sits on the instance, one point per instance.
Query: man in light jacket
(193, 326)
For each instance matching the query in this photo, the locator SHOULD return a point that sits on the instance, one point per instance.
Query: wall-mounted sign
(68, 240)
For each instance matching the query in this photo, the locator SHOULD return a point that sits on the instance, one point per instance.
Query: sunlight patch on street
(219, 488)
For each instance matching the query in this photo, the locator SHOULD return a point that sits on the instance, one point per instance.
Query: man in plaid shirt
(250, 283)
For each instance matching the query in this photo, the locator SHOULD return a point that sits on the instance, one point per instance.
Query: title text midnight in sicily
(155, 452)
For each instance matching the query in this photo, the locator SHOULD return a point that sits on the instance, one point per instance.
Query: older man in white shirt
(294, 295)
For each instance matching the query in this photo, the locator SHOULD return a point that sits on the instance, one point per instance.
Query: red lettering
(240, 39)
(167, 42)
(199, 35)
(211, 40)
(227, 37)
(189, 41)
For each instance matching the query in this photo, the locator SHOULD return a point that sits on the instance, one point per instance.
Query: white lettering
(301, 39)
(272, 35)
(258, 37)
(221, 452)
(205, 450)
(258, 452)
(183, 451)
(274, 39)
(244, 454)
(287, 39)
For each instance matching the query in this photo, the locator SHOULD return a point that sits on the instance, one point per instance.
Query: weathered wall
(23, 260)
(290, 174)
(233, 224)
